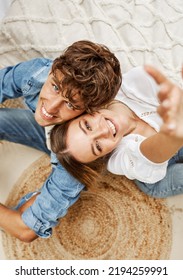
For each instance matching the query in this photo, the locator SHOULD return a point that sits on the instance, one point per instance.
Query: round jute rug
(13, 103)
(117, 221)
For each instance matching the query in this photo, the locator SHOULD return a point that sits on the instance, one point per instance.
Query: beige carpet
(116, 222)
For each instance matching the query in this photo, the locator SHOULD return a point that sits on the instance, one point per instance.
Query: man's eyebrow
(76, 107)
(92, 147)
(56, 81)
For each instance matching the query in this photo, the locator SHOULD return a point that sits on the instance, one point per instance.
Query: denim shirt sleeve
(58, 193)
(24, 79)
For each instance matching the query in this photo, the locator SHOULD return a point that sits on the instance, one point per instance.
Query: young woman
(132, 130)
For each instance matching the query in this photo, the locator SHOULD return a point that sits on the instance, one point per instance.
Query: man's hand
(11, 222)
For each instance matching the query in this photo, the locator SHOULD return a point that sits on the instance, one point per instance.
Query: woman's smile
(93, 136)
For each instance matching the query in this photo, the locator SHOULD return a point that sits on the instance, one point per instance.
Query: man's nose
(54, 105)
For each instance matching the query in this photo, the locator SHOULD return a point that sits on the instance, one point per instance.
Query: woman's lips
(111, 126)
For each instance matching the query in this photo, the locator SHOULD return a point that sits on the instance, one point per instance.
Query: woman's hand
(171, 103)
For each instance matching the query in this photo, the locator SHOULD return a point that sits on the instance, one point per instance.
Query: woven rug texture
(116, 221)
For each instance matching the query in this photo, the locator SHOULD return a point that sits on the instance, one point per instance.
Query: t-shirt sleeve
(138, 85)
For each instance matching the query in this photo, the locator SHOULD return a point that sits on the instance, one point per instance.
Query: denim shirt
(60, 190)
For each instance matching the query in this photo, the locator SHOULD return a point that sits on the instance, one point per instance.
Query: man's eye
(69, 105)
(88, 127)
(98, 146)
(56, 88)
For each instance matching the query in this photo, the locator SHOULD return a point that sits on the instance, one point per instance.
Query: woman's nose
(100, 127)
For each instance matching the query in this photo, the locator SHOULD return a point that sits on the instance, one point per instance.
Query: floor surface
(17, 158)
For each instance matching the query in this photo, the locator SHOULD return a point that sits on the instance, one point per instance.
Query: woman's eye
(87, 126)
(98, 146)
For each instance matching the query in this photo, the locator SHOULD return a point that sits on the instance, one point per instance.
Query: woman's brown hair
(91, 70)
(87, 173)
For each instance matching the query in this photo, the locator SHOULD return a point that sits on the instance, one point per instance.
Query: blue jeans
(19, 126)
(171, 184)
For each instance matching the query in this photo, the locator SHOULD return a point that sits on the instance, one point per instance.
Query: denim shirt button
(29, 83)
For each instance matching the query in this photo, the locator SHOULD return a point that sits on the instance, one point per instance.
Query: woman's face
(92, 136)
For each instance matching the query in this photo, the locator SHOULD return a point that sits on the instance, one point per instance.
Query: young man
(84, 78)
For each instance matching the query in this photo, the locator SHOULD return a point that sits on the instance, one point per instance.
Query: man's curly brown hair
(91, 70)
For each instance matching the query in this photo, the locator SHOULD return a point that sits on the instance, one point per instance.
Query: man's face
(53, 107)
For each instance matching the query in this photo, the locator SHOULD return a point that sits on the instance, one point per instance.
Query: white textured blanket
(138, 31)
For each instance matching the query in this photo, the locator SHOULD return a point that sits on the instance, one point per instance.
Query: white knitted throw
(138, 31)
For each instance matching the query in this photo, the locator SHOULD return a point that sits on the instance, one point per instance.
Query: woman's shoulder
(137, 84)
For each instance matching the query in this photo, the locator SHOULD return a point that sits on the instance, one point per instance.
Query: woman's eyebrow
(85, 132)
(82, 128)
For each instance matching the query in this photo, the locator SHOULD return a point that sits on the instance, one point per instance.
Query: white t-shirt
(139, 93)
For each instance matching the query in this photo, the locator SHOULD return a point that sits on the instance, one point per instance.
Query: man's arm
(11, 222)
(14, 80)
(41, 212)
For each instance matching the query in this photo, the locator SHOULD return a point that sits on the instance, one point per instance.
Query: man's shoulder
(40, 62)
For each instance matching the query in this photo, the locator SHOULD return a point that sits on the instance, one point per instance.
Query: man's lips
(45, 114)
